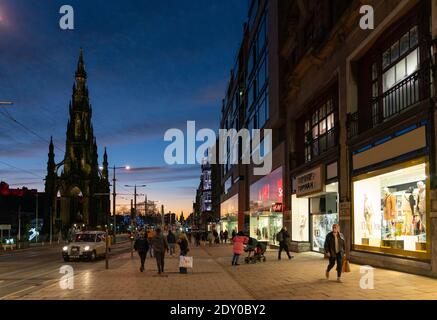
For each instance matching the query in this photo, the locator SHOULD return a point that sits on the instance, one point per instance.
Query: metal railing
(407, 93)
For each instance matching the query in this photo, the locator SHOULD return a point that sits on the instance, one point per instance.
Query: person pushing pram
(255, 250)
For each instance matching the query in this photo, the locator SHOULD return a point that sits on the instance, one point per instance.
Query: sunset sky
(152, 66)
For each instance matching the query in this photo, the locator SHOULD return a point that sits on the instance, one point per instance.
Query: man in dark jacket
(283, 237)
(171, 240)
(334, 249)
(160, 246)
(142, 246)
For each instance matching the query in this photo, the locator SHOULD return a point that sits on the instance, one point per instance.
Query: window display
(300, 219)
(265, 225)
(390, 210)
(322, 225)
(324, 213)
(266, 201)
(229, 214)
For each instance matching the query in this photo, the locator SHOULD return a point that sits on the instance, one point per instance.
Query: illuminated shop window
(390, 211)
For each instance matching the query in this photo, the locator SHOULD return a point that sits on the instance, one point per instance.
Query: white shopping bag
(185, 262)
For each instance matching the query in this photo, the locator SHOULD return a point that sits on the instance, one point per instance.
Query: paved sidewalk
(214, 278)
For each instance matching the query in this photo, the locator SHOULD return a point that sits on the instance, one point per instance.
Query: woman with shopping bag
(183, 246)
(335, 249)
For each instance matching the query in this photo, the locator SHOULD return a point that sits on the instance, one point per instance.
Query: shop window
(300, 219)
(390, 211)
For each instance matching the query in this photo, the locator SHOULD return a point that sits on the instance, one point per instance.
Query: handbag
(185, 262)
(346, 266)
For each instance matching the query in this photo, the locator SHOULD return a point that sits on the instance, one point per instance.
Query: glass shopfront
(300, 219)
(323, 213)
(390, 210)
(266, 211)
(229, 215)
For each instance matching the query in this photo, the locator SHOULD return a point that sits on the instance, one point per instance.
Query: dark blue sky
(152, 65)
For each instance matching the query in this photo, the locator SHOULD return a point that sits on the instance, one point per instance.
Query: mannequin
(389, 211)
(368, 214)
(407, 210)
(421, 205)
(303, 221)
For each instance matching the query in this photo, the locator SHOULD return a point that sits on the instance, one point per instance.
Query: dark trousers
(283, 246)
(339, 259)
(235, 258)
(143, 255)
(159, 260)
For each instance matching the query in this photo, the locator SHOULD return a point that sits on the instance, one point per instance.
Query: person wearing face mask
(335, 248)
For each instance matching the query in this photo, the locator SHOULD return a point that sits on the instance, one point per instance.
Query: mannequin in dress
(389, 211)
(421, 205)
(407, 210)
(368, 214)
(303, 221)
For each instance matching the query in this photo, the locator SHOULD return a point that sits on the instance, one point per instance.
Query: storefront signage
(310, 182)
(277, 207)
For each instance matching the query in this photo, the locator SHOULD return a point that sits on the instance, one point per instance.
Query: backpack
(279, 237)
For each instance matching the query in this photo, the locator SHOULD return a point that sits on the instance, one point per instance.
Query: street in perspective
(218, 150)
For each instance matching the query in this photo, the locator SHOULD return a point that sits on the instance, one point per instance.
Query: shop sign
(310, 182)
(277, 207)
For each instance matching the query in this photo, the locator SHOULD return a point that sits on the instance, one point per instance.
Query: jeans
(159, 260)
(283, 246)
(235, 258)
(339, 259)
(171, 247)
(143, 255)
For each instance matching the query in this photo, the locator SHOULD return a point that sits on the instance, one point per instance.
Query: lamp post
(135, 196)
(114, 194)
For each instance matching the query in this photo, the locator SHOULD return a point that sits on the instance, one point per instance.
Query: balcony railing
(402, 96)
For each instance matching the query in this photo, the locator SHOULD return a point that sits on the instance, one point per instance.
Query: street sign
(5, 227)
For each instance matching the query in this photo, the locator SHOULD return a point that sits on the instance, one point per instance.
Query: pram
(257, 248)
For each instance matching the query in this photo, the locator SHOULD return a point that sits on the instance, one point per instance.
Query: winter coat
(171, 238)
(141, 245)
(239, 242)
(330, 244)
(183, 245)
(159, 243)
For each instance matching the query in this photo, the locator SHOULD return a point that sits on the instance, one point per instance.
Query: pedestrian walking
(225, 236)
(210, 238)
(160, 246)
(283, 237)
(171, 240)
(183, 246)
(141, 246)
(234, 233)
(221, 236)
(334, 250)
(197, 237)
(216, 236)
(238, 248)
(150, 236)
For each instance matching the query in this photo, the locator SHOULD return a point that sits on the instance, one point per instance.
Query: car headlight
(86, 248)
(65, 248)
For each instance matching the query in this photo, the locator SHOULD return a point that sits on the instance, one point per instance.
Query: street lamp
(113, 199)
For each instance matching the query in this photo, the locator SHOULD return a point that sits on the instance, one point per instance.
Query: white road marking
(14, 293)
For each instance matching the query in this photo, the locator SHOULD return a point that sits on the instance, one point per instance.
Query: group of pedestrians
(158, 245)
(334, 248)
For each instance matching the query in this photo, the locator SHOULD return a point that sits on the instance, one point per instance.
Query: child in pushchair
(257, 248)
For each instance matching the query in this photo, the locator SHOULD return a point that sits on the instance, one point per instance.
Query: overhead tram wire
(20, 169)
(10, 117)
